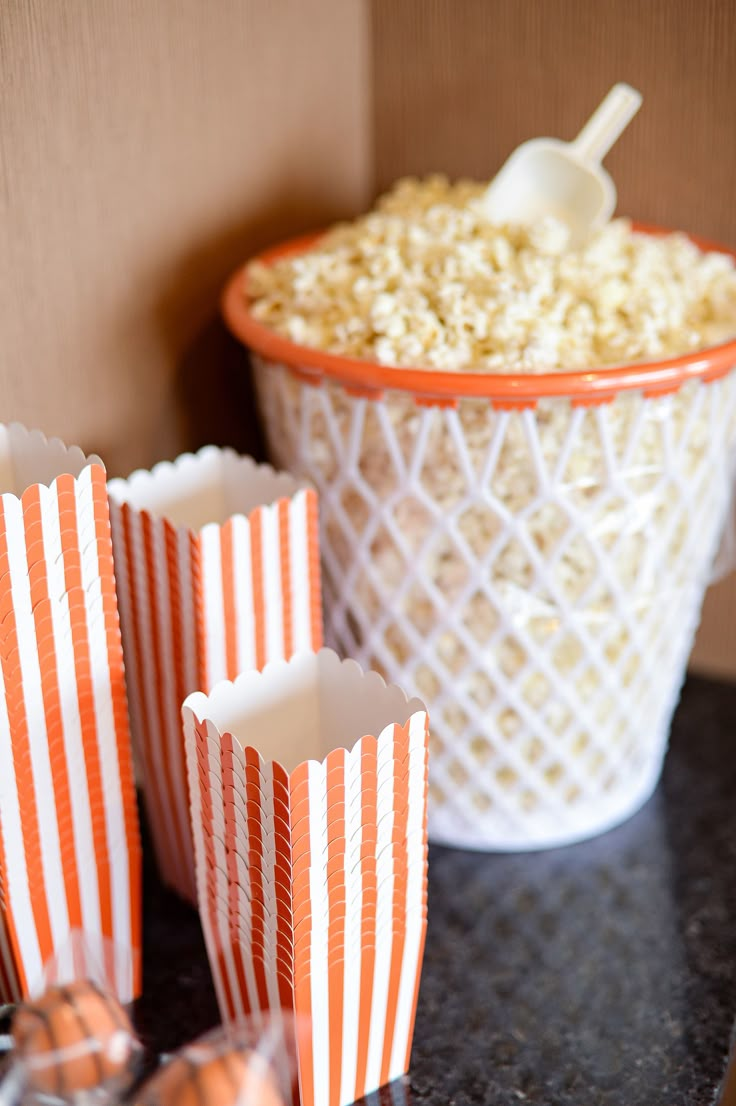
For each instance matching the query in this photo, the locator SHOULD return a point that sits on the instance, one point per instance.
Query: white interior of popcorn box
(303, 709)
(208, 487)
(27, 457)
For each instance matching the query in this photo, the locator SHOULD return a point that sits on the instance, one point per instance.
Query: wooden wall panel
(457, 84)
(146, 147)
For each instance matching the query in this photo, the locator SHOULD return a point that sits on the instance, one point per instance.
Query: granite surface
(602, 974)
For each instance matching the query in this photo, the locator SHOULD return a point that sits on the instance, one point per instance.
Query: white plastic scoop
(546, 176)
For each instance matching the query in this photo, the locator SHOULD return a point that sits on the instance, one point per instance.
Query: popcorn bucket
(217, 563)
(528, 553)
(70, 857)
(308, 785)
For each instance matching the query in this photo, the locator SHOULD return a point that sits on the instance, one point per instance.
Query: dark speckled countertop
(603, 974)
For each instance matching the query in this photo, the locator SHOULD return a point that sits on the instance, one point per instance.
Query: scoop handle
(607, 123)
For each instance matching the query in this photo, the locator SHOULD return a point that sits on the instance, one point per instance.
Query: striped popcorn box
(70, 860)
(310, 838)
(217, 564)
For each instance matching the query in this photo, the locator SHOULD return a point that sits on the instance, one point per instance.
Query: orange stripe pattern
(313, 895)
(198, 606)
(70, 859)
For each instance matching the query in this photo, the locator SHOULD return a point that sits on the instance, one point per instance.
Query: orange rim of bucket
(428, 386)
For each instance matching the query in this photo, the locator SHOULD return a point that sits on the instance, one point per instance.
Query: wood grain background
(458, 84)
(147, 146)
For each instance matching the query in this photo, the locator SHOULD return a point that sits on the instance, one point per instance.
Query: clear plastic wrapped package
(246, 1064)
(75, 1041)
(72, 1040)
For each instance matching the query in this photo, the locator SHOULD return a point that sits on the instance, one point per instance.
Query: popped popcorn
(426, 280)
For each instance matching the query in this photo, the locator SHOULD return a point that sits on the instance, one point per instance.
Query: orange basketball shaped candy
(73, 1038)
(198, 1076)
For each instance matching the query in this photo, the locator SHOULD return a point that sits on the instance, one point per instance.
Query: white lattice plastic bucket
(528, 554)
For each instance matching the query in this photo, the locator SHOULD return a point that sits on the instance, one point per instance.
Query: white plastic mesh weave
(534, 575)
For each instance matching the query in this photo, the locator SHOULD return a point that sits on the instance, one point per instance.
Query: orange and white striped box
(310, 837)
(217, 563)
(70, 859)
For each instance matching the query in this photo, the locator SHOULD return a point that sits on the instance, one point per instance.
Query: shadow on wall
(214, 393)
(210, 392)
